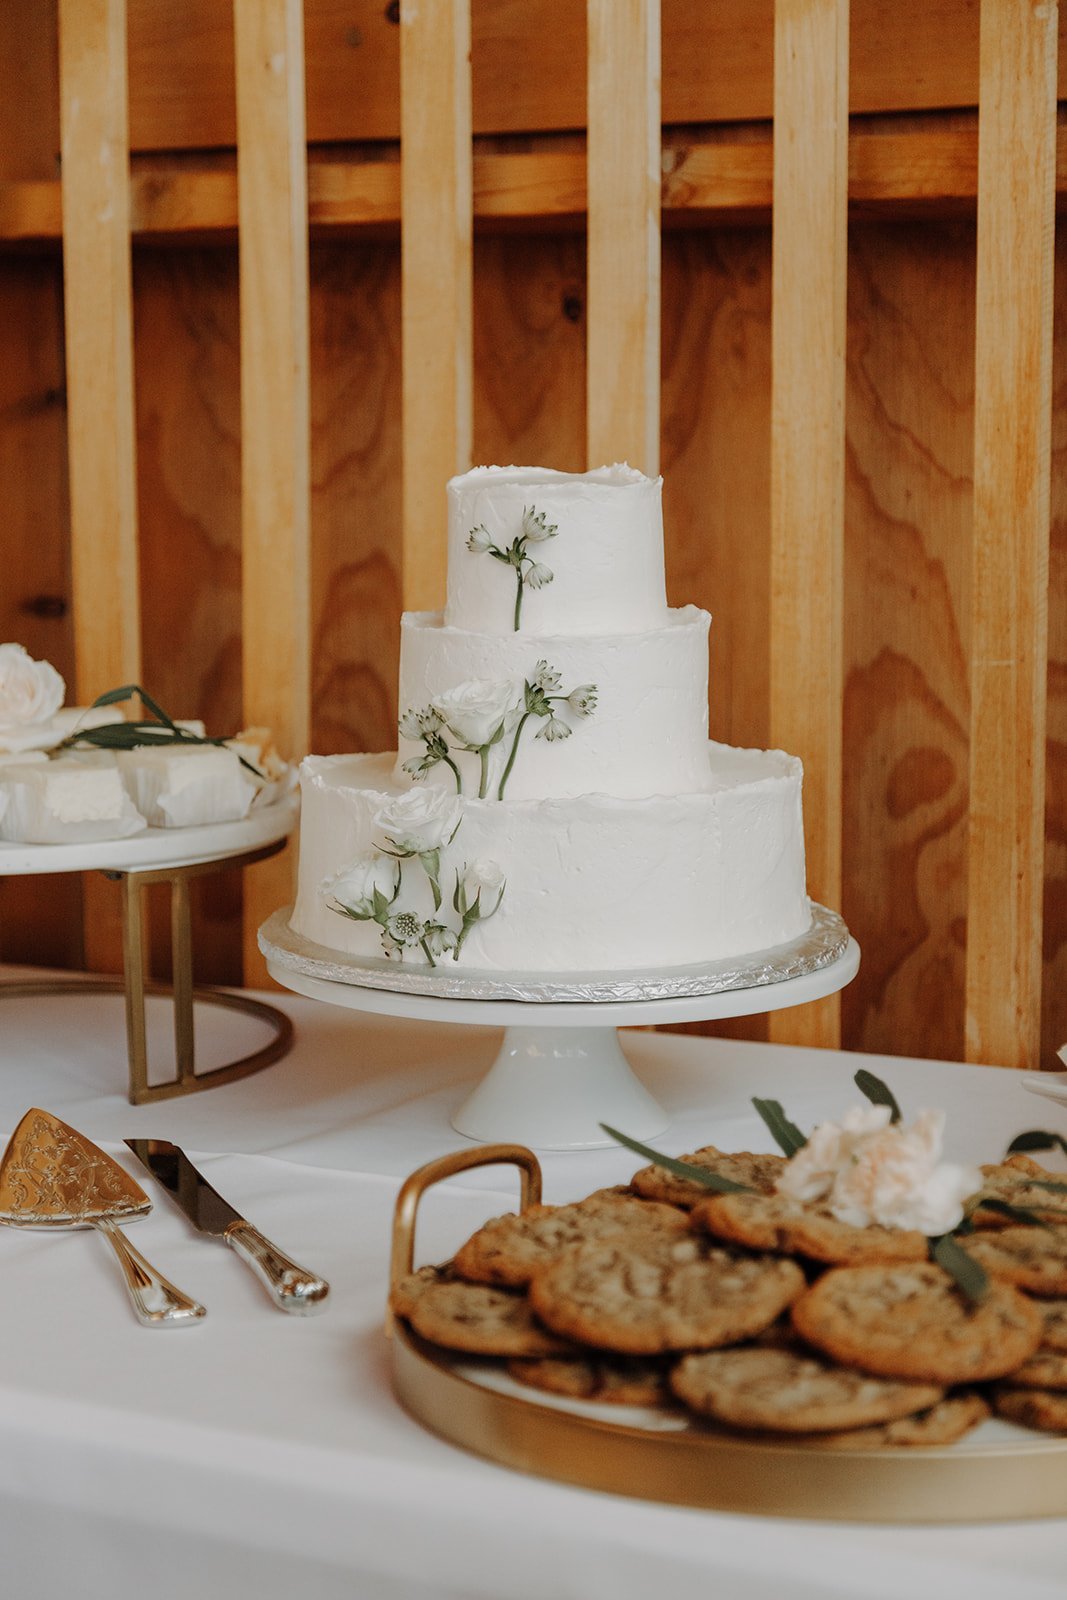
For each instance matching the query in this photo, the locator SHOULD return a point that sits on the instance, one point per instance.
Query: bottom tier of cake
(576, 885)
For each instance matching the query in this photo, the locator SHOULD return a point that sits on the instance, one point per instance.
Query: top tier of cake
(600, 572)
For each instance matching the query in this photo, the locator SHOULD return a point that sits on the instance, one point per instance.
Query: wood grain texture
(808, 433)
(529, 60)
(275, 405)
(436, 233)
(623, 230)
(908, 514)
(355, 442)
(1054, 926)
(1013, 376)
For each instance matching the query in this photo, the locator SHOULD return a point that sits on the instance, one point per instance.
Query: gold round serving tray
(999, 1473)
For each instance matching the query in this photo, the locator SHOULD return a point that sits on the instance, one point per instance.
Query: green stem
(459, 781)
(518, 596)
(514, 752)
(429, 957)
(483, 781)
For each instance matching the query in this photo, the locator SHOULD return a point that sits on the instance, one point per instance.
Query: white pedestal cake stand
(561, 1071)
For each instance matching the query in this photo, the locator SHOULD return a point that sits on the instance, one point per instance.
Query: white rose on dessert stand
(31, 692)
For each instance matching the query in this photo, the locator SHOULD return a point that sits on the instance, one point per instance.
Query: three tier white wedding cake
(555, 804)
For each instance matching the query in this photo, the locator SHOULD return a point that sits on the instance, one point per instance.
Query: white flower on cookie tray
(534, 529)
(867, 1169)
(871, 1170)
(482, 714)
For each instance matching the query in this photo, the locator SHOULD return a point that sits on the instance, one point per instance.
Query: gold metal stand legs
(181, 990)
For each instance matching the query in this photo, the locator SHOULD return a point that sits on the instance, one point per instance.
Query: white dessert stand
(173, 856)
(561, 1071)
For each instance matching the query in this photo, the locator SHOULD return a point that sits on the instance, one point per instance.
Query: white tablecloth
(261, 1455)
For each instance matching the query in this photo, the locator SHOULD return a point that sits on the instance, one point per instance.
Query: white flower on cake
(583, 701)
(483, 877)
(355, 886)
(478, 711)
(419, 821)
(870, 1170)
(535, 529)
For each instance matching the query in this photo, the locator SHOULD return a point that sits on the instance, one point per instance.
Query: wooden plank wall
(910, 545)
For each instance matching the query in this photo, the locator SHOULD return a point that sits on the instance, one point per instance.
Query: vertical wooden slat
(99, 343)
(436, 255)
(624, 166)
(98, 314)
(1013, 396)
(808, 436)
(275, 429)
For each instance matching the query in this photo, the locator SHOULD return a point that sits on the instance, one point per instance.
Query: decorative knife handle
(158, 1304)
(289, 1286)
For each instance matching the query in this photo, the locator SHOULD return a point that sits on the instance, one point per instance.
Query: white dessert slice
(65, 802)
(186, 787)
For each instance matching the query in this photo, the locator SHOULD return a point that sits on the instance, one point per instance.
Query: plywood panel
(907, 589)
(355, 433)
(1054, 988)
(529, 64)
(807, 420)
(275, 422)
(622, 403)
(437, 226)
(1013, 360)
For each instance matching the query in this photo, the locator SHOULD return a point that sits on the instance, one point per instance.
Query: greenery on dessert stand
(157, 729)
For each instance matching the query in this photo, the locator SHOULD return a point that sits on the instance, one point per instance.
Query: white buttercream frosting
(593, 882)
(647, 735)
(606, 556)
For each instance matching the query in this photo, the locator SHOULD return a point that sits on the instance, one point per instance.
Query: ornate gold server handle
(414, 1187)
(157, 1302)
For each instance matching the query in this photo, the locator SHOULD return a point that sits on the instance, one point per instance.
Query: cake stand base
(560, 1072)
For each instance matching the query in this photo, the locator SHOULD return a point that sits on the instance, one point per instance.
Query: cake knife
(290, 1287)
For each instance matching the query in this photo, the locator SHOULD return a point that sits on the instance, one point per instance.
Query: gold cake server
(51, 1176)
(292, 1287)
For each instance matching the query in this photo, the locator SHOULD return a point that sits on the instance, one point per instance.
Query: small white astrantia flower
(535, 527)
(539, 576)
(420, 820)
(30, 691)
(353, 887)
(404, 929)
(583, 701)
(439, 939)
(553, 729)
(477, 710)
(410, 725)
(545, 677)
(478, 539)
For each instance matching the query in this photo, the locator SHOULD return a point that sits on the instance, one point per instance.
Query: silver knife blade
(291, 1287)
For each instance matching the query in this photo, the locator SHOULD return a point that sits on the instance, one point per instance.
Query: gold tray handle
(413, 1189)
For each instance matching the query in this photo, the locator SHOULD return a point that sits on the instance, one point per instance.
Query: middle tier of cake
(623, 715)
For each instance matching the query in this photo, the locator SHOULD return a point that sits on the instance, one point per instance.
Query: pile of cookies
(764, 1315)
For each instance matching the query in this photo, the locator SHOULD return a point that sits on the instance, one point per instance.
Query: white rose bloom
(476, 710)
(30, 691)
(483, 877)
(420, 820)
(353, 887)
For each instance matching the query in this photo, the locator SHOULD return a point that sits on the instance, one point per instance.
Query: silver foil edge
(824, 942)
